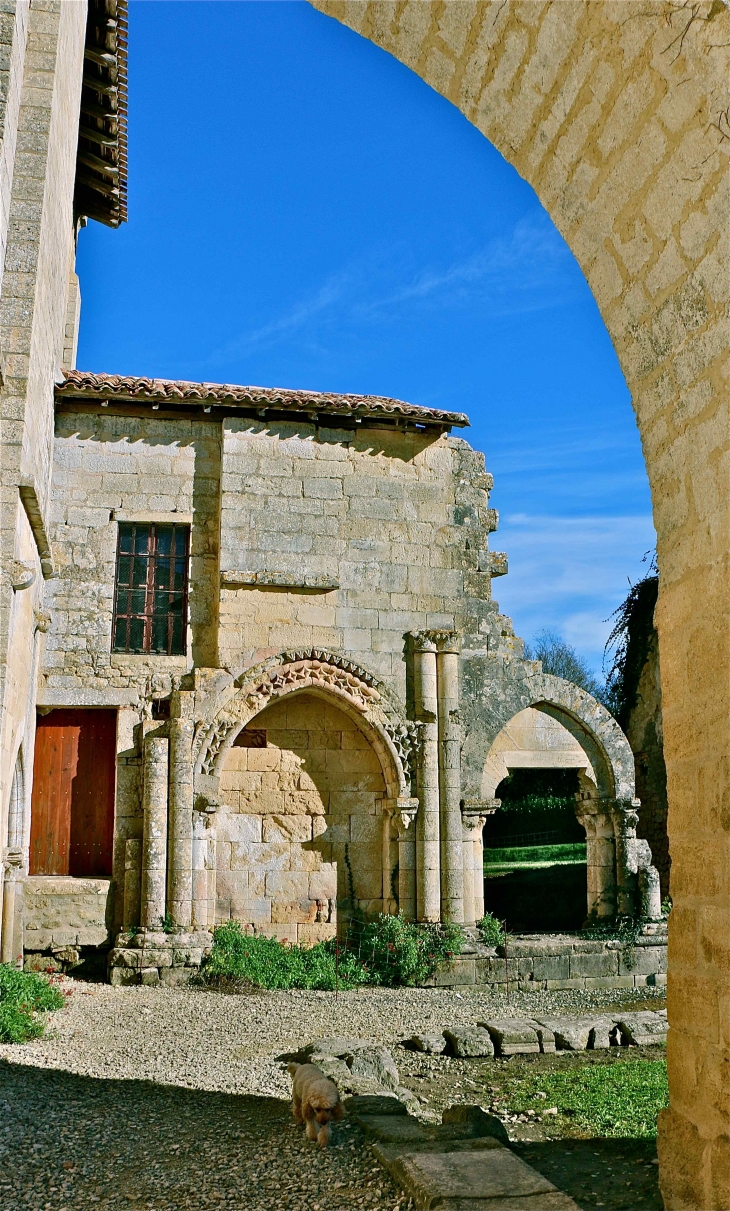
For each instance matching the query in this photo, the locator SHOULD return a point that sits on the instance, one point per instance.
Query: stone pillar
(472, 826)
(132, 882)
(631, 853)
(404, 816)
(180, 849)
(474, 817)
(449, 733)
(12, 873)
(427, 778)
(154, 843)
(203, 874)
(596, 817)
(650, 894)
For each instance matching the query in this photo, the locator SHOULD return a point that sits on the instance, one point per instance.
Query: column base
(152, 957)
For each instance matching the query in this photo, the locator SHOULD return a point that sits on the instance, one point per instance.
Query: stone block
(125, 958)
(643, 961)
(431, 1044)
(187, 957)
(455, 974)
(642, 1029)
(480, 1169)
(64, 937)
(477, 1120)
(156, 958)
(602, 964)
(149, 976)
(374, 1063)
(551, 967)
(512, 1036)
(287, 828)
(469, 1041)
(41, 962)
(176, 977)
(608, 982)
(121, 977)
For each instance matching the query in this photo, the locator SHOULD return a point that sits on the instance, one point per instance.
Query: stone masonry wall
(290, 809)
(38, 255)
(148, 468)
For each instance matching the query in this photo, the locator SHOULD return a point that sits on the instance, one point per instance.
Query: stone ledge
(459, 1165)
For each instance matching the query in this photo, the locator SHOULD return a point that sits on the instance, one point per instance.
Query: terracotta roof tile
(80, 384)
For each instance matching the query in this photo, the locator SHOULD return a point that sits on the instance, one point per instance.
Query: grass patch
(622, 1099)
(385, 950)
(527, 855)
(24, 998)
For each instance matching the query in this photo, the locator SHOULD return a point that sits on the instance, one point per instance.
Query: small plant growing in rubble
(491, 929)
(24, 996)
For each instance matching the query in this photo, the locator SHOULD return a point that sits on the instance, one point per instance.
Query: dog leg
(296, 1109)
(311, 1129)
(324, 1135)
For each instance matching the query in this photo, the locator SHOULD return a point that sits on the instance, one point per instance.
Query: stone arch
(306, 847)
(594, 728)
(357, 692)
(618, 114)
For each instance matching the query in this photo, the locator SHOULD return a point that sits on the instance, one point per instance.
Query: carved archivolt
(298, 670)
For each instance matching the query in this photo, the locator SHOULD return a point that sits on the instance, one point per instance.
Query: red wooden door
(72, 811)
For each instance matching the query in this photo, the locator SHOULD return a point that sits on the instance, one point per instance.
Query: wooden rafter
(101, 169)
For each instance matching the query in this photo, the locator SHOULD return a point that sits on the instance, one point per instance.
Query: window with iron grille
(151, 596)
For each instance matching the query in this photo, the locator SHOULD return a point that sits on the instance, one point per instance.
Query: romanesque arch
(618, 114)
(306, 763)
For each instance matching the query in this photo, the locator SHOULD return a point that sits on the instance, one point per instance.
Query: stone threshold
(462, 1165)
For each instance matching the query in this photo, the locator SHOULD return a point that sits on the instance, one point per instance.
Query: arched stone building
(616, 111)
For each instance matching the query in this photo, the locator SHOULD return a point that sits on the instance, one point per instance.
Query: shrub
(267, 963)
(491, 930)
(23, 996)
(382, 950)
(396, 951)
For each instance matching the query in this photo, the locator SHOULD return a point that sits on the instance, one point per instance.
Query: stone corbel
(406, 810)
(21, 575)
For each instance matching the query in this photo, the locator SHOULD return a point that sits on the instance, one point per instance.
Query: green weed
(491, 929)
(23, 997)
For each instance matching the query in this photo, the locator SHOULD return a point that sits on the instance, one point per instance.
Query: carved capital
(480, 807)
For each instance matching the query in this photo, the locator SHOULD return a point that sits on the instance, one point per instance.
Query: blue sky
(306, 212)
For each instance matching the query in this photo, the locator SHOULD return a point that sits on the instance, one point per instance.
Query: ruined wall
(396, 523)
(618, 113)
(646, 735)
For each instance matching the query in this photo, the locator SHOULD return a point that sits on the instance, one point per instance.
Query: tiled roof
(79, 384)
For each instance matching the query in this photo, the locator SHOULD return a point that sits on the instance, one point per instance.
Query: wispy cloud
(508, 276)
(569, 574)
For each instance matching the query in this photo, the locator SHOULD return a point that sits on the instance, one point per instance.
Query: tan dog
(315, 1101)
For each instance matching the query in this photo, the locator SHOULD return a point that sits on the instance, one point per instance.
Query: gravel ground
(126, 1102)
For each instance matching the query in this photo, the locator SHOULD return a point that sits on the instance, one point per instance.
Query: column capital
(422, 641)
(447, 642)
(471, 823)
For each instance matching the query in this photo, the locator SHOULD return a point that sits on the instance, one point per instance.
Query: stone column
(474, 816)
(154, 842)
(629, 852)
(427, 778)
(12, 873)
(203, 914)
(596, 817)
(449, 730)
(404, 817)
(132, 882)
(180, 850)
